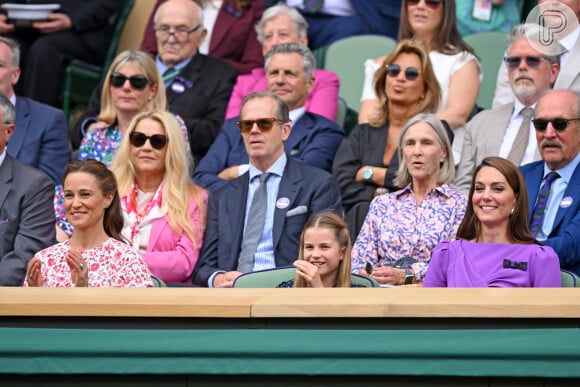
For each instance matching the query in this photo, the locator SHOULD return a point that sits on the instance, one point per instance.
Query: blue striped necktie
(541, 203)
(254, 226)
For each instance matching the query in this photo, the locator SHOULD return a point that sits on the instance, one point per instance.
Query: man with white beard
(507, 130)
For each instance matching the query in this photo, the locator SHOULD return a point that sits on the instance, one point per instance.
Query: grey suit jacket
(26, 218)
(483, 137)
(568, 78)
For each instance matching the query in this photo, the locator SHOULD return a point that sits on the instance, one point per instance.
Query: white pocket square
(297, 211)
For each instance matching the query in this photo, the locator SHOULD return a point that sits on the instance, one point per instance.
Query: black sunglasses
(559, 124)
(157, 141)
(411, 73)
(264, 124)
(433, 4)
(137, 82)
(531, 61)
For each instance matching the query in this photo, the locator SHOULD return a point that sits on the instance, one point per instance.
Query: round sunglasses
(559, 124)
(411, 73)
(264, 124)
(137, 82)
(157, 141)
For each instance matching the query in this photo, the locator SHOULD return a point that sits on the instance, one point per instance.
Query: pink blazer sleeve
(171, 256)
(323, 98)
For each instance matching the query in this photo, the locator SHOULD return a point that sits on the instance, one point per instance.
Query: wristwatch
(409, 277)
(368, 174)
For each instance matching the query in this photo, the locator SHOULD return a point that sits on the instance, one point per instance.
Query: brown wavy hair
(113, 217)
(448, 40)
(518, 229)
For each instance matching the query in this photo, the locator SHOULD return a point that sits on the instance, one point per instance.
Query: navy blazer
(26, 218)
(380, 15)
(40, 138)
(304, 186)
(565, 235)
(313, 140)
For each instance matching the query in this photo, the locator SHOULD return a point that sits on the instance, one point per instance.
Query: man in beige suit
(569, 77)
(507, 131)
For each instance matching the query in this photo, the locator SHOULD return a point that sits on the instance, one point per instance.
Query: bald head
(178, 30)
(558, 145)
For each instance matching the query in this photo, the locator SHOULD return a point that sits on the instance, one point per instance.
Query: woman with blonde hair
(163, 210)
(324, 254)
(132, 85)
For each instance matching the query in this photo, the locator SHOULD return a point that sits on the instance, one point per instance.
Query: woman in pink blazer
(164, 211)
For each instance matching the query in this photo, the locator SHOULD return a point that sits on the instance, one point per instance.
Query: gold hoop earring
(512, 211)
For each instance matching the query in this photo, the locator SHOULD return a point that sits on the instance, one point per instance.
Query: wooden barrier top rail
(291, 303)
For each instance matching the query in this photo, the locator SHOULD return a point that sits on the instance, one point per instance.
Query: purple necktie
(312, 6)
(541, 203)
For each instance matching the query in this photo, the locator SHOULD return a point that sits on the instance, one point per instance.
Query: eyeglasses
(433, 4)
(180, 33)
(411, 73)
(513, 62)
(559, 124)
(264, 124)
(157, 141)
(137, 82)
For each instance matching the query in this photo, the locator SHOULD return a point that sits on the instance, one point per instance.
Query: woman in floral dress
(96, 254)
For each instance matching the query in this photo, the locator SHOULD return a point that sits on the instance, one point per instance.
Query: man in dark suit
(313, 139)
(232, 37)
(198, 87)
(80, 29)
(557, 123)
(26, 209)
(41, 137)
(294, 191)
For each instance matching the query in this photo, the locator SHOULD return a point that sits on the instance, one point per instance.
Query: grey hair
(298, 20)
(281, 107)
(530, 32)
(199, 7)
(7, 109)
(308, 60)
(14, 47)
(447, 169)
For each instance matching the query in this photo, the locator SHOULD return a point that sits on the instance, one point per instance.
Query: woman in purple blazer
(494, 246)
(164, 211)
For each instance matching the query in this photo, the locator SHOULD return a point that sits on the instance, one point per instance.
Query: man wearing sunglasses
(288, 193)
(569, 76)
(313, 140)
(554, 182)
(507, 130)
(198, 86)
